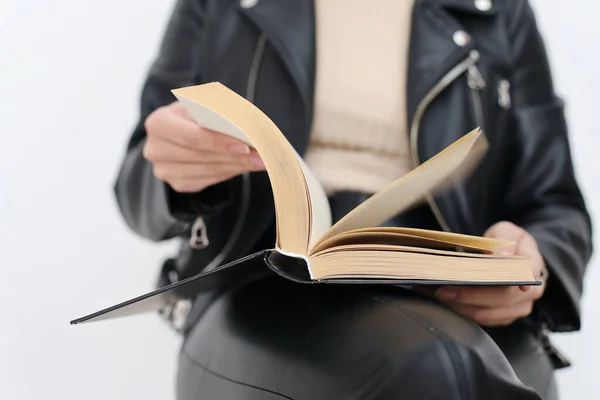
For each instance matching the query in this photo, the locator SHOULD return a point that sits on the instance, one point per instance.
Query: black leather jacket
(467, 67)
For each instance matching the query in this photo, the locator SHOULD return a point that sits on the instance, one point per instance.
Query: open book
(356, 249)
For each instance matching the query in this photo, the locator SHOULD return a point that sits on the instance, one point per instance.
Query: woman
(364, 91)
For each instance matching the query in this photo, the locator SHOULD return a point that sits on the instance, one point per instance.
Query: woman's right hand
(190, 158)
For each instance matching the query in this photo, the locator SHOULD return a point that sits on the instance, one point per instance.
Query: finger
(164, 124)
(203, 139)
(484, 296)
(505, 230)
(178, 108)
(160, 150)
(527, 246)
(494, 316)
(169, 172)
(190, 185)
(196, 185)
(525, 288)
(535, 292)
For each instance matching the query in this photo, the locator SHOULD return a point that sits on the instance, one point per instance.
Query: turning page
(408, 190)
(218, 108)
(220, 121)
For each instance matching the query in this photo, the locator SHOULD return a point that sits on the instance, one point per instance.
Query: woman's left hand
(499, 305)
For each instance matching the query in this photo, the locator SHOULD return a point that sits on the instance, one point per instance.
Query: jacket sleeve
(149, 206)
(543, 196)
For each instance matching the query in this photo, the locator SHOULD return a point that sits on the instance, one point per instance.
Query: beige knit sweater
(360, 132)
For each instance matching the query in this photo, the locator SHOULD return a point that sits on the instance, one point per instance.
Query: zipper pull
(504, 94)
(475, 79)
(199, 237)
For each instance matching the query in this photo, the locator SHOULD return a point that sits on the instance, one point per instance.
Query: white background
(70, 75)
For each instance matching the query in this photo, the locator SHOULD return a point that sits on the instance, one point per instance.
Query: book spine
(294, 255)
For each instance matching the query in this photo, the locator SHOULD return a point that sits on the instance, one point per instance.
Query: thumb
(505, 230)
(508, 231)
(179, 109)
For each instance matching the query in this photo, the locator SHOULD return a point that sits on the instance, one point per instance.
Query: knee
(446, 368)
(446, 356)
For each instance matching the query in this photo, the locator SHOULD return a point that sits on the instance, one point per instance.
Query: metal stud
(461, 38)
(248, 3)
(483, 5)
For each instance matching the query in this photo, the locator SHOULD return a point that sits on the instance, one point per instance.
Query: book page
(319, 203)
(409, 237)
(410, 249)
(363, 263)
(456, 160)
(302, 208)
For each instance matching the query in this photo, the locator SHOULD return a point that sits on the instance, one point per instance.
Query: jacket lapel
(290, 28)
(433, 51)
(438, 43)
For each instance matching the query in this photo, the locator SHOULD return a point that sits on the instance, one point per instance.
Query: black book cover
(254, 264)
(289, 267)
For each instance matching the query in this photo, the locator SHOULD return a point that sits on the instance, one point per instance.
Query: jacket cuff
(559, 306)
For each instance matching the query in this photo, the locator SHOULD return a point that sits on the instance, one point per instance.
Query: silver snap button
(248, 3)
(461, 38)
(483, 5)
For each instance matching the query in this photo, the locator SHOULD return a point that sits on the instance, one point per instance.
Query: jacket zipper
(177, 313)
(200, 234)
(442, 84)
(476, 84)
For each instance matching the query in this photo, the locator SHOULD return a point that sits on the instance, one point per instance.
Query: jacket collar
(433, 48)
(475, 7)
(290, 29)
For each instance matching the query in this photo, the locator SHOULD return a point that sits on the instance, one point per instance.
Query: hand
(499, 305)
(190, 158)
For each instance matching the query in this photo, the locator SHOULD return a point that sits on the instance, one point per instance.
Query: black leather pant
(271, 339)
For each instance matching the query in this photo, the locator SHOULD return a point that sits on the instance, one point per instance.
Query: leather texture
(347, 343)
(526, 178)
